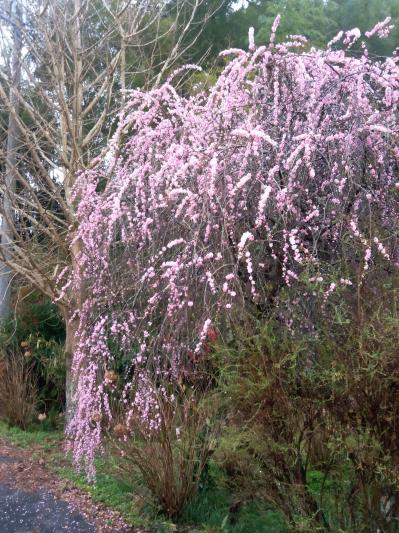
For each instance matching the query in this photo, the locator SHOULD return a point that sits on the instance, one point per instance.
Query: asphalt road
(35, 512)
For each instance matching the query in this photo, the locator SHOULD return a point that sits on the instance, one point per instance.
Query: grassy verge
(208, 512)
(108, 489)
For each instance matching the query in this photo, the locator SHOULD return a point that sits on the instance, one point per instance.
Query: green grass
(108, 489)
(45, 440)
(210, 509)
(207, 512)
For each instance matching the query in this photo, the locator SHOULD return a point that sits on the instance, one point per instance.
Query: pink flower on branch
(271, 175)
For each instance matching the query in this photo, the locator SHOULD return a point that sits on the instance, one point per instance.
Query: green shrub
(312, 417)
(36, 335)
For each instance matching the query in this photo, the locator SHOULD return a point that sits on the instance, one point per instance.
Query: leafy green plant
(312, 418)
(37, 334)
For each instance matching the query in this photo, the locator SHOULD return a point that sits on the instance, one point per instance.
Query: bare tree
(72, 62)
(10, 168)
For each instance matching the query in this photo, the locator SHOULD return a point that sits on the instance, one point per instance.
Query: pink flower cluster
(212, 202)
(381, 29)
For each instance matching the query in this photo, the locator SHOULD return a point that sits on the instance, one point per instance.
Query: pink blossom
(272, 174)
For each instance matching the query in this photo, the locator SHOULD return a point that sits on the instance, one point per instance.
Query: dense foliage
(318, 20)
(312, 418)
(32, 365)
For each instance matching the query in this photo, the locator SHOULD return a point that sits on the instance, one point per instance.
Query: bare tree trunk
(76, 163)
(70, 381)
(6, 231)
(71, 341)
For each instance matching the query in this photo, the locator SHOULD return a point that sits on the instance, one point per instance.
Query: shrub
(313, 418)
(37, 333)
(18, 390)
(168, 438)
(273, 411)
(208, 207)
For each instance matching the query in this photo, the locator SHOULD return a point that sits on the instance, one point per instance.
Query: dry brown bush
(18, 391)
(172, 459)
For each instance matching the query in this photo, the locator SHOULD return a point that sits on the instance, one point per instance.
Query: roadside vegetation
(199, 265)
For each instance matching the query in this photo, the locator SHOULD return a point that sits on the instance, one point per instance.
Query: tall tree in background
(318, 20)
(357, 13)
(315, 19)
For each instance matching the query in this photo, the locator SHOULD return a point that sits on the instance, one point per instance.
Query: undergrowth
(208, 512)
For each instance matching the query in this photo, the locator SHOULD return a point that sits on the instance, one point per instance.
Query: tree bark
(71, 327)
(10, 174)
